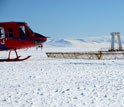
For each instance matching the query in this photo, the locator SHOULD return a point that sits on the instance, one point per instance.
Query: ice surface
(48, 82)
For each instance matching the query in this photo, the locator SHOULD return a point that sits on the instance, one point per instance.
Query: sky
(66, 18)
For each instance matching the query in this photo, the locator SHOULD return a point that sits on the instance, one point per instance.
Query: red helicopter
(17, 35)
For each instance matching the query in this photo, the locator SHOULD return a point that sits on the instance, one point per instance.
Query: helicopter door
(2, 35)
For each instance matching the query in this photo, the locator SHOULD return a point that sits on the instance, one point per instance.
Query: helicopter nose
(40, 39)
(39, 36)
(38, 43)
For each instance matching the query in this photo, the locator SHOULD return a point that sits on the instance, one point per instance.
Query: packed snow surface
(47, 82)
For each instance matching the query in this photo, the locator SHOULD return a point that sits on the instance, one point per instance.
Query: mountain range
(67, 42)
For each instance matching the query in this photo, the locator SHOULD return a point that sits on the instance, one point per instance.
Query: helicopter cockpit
(25, 32)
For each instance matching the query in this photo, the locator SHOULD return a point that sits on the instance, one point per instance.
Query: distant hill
(59, 42)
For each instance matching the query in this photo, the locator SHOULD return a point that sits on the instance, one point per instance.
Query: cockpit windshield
(30, 30)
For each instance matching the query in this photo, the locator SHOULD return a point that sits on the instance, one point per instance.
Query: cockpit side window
(2, 33)
(10, 31)
(22, 31)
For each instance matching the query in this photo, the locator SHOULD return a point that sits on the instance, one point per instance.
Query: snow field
(62, 83)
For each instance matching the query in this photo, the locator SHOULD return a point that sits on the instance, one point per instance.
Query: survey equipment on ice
(113, 35)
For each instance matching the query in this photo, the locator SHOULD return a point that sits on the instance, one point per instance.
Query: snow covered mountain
(80, 41)
(59, 42)
(77, 42)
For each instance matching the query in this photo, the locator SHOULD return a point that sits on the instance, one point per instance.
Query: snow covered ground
(48, 82)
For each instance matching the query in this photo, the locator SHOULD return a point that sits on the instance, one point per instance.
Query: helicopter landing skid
(14, 59)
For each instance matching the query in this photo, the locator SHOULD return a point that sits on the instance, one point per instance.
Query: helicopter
(18, 35)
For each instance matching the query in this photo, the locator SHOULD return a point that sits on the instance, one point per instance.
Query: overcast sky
(66, 18)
